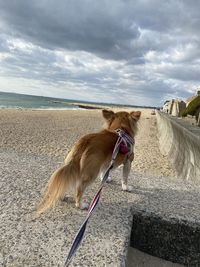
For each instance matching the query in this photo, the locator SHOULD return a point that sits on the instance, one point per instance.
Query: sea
(21, 101)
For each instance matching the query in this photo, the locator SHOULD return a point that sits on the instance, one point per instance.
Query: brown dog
(89, 157)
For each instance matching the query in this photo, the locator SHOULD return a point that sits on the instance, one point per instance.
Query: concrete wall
(181, 143)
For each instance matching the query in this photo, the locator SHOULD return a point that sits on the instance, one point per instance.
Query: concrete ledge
(46, 241)
(137, 258)
(157, 207)
(181, 143)
(174, 240)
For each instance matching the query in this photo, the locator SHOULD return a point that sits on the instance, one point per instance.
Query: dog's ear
(135, 115)
(108, 114)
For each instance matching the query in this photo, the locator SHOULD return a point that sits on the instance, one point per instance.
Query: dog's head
(124, 120)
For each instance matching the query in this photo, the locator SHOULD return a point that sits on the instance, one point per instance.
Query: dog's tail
(61, 180)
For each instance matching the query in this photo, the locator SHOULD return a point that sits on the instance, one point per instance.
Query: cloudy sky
(138, 52)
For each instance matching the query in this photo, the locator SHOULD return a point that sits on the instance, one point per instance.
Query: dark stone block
(173, 240)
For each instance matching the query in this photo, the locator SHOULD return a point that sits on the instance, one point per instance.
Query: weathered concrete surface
(46, 241)
(181, 143)
(137, 258)
(172, 239)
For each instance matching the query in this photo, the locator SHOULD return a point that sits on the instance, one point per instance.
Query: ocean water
(12, 100)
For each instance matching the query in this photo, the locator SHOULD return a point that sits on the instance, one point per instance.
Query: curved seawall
(181, 143)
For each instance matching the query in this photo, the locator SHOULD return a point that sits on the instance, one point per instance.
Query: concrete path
(45, 241)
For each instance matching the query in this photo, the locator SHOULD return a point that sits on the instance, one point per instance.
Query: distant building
(174, 107)
(166, 106)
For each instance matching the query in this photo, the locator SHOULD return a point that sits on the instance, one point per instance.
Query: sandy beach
(33, 144)
(52, 133)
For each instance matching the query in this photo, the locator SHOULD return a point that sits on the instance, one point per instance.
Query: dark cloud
(76, 25)
(142, 49)
(101, 27)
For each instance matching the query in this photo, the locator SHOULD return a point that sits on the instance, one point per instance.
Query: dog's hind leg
(126, 171)
(88, 175)
(80, 188)
(102, 172)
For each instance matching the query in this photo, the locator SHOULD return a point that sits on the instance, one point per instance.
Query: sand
(53, 133)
